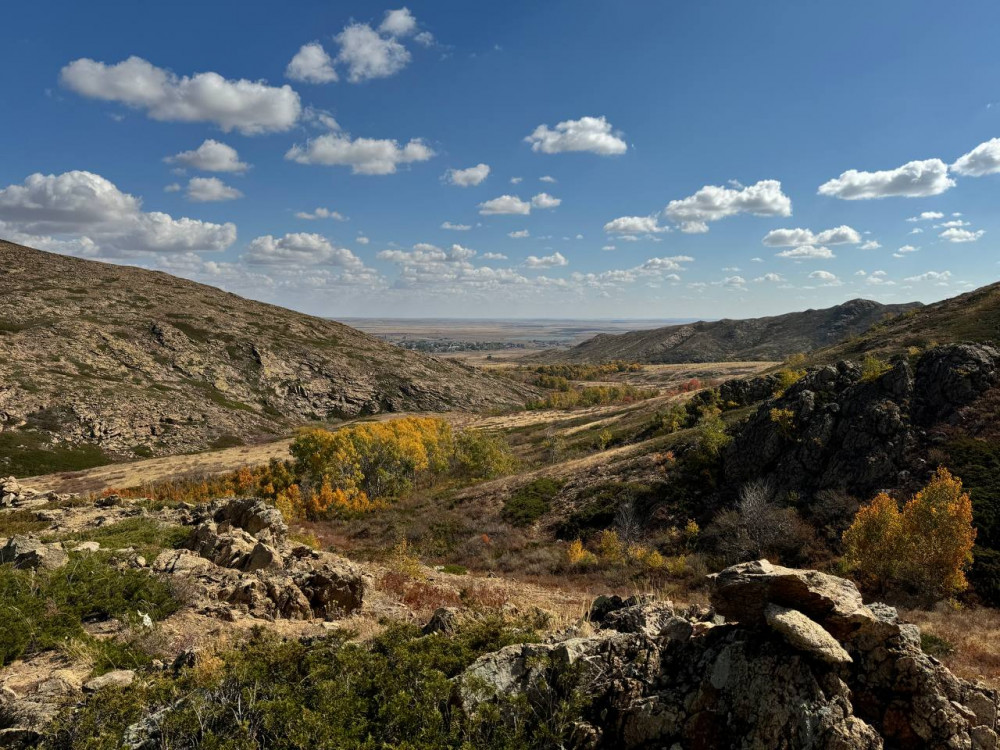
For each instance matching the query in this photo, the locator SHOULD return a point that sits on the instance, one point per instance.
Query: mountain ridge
(767, 338)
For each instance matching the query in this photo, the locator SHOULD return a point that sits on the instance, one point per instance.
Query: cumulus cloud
(367, 54)
(982, 160)
(311, 64)
(456, 227)
(299, 249)
(548, 178)
(520, 234)
(927, 216)
(713, 202)
(82, 211)
(494, 256)
(363, 155)
(544, 200)
(941, 276)
(871, 245)
(842, 235)
(807, 252)
(592, 134)
(961, 235)
(251, 107)
(915, 179)
(826, 277)
(320, 213)
(516, 180)
(211, 156)
(769, 277)
(210, 189)
(468, 177)
(546, 261)
(505, 204)
(634, 225)
(398, 23)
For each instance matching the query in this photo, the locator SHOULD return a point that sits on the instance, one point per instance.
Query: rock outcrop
(29, 552)
(238, 554)
(835, 429)
(799, 662)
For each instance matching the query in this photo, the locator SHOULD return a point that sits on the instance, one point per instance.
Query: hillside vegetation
(122, 362)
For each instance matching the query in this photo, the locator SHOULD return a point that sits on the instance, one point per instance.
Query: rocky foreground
(784, 658)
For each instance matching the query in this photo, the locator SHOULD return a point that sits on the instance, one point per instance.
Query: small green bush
(934, 645)
(44, 609)
(146, 535)
(873, 368)
(531, 502)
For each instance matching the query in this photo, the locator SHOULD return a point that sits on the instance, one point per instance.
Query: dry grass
(974, 634)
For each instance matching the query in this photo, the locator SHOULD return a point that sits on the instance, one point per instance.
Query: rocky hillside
(136, 362)
(754, 339)
(974, 316)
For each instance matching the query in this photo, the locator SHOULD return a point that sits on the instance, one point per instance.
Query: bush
(530, 502)
(923, 549)
(146, 535)
(872, 368)
(394, 692)
(480, 455)
(44, 609)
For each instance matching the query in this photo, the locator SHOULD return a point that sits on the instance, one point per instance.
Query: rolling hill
(771, 338)
(101, 361)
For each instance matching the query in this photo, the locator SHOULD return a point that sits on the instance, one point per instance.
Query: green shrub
(934, 645)
(872, 368)
(44, 609)
(394, 692)
(481, 455)
(530, 502)
(146, 535)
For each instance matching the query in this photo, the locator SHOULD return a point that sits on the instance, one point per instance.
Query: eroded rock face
(802, 663)
(846, 432)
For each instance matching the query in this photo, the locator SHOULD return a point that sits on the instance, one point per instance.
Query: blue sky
(681, 144)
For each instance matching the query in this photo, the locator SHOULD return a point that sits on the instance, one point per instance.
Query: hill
(974, 316)
(753, 339)
(102, 361)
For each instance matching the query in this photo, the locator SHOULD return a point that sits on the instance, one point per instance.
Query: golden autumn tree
(923, 548)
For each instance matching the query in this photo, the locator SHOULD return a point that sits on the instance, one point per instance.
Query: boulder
(804, 634)
(119, 678)
(10, 490)
(28, 552)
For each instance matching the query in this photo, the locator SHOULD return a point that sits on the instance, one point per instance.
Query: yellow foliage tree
(924, 548)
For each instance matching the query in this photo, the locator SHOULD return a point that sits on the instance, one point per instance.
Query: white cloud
(251, 107)
(905, 250)
(362, 240)
(494, 256)
(930, 276)
(927, 216)
(520, 234)
(914, 179)
(634, 225)
(363, 155)
(916, 230)
(369, 55)
(299, 249)
(982, 160)
(320, 213)
(952, 223)
(547, 261)
(609, 247)
(842, 235)
(173, 187)
(810, 252)
(591, 134)
(544, 200)
(456, 227)
(505, 204)
(961, 235)
(713, 202)
(548, 178)
(828, 278)
(210, 189)
(769, 277)
(311, 64)
(879, 278)
(210, 156)
(871, 245)
(398, 23)
(82, 211)
(516, 180)
(468, 177)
